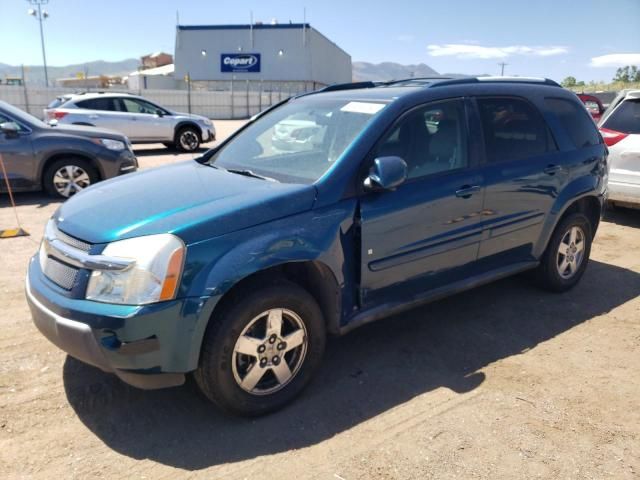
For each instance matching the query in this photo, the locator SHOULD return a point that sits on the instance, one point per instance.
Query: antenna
(177, 17)
(251, 26)
(304, 26)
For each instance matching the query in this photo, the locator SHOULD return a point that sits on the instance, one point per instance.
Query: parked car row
(88, 138)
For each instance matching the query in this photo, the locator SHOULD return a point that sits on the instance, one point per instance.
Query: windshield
(22, 116)
(299, 141)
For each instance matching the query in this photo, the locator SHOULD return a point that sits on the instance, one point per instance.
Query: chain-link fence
(216, 100)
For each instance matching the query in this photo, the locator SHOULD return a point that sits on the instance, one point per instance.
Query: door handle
(552, 169)
(93, 117)
(467, 190)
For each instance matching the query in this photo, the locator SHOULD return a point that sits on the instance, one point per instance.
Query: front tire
(261, 351)
(68, 176)
(188, 139)
(567, 255)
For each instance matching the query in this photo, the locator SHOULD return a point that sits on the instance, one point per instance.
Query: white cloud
(461, 50)
(616, 60)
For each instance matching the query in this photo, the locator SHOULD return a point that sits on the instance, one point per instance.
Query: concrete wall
(314, 59)
(215, 105)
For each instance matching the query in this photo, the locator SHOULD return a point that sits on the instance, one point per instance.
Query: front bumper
(208, 135)
(148, 347)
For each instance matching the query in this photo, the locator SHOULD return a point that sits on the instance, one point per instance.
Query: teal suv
(236, 266)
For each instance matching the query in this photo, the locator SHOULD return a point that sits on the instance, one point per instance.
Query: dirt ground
(504, 381)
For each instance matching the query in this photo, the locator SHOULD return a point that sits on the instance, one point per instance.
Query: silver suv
(139, 119)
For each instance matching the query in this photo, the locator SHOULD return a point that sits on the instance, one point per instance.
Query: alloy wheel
(269, 352)
(189, 140)
(70, 179)
(570, 252)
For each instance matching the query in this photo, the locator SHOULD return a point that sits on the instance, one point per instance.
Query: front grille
(60, 273)
(74, 242)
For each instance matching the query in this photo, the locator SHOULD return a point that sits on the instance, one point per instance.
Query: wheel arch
(186, 123)
(589, 204)
(313, 275)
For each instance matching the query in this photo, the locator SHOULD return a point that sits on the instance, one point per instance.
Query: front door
(17, 155)
(426, 233)
(144, 123)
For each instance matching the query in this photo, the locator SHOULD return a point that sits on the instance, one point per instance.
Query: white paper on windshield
(363, 107)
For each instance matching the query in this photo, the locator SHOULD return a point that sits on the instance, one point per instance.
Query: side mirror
(53, 122)
(160, 113)
(387, 173)
(10, 129)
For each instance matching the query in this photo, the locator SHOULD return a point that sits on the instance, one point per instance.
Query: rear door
(524, 173)
(104, 112)
(426, 233)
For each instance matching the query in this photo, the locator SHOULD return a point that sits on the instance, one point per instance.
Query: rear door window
(575, 120)
(513, 129)
(97, 104)
(625, 118)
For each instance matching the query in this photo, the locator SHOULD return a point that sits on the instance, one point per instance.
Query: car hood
(192, 116)
(86, 131)
(194, 201)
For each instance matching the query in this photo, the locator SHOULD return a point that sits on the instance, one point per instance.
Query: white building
(293, 57)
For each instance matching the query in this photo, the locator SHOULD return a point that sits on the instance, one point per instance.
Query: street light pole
(41, 16)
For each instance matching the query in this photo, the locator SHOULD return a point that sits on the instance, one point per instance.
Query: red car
(593, 104)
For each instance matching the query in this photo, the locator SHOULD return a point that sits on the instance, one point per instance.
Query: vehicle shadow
(365, 373)
(149, 152)
(627, 217)
(39, 199)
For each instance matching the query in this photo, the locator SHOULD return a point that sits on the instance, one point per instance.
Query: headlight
(110, 144)
(154, 276)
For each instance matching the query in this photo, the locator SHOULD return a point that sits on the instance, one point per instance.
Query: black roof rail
(416, 80)
(347, 86)
(526, 80)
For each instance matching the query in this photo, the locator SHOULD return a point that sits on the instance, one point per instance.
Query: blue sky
(552, 38)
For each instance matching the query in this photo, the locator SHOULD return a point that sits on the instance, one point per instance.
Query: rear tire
(567, 255)
(188, 139)
(255, 383)
(67, 176)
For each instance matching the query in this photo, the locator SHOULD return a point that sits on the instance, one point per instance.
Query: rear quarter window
(625, 118)
(575, 120)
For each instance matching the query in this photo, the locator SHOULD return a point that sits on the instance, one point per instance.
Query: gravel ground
(504, 381)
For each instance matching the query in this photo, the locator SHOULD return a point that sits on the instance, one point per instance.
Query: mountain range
(362, 71)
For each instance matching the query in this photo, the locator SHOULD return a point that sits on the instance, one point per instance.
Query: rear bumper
(624, 192)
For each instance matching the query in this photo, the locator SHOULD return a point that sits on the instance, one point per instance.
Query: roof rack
(527, 80)
(415, 81)
(347, 86)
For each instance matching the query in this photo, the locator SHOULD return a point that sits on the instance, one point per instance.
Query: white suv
(139, 119)
(620, 128)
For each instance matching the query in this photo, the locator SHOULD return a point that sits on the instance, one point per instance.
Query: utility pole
(41, 15)
(502, 65)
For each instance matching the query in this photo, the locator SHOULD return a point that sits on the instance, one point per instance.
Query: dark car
(405, 194)
(60, 160)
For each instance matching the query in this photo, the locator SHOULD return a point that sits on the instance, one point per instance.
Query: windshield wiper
(249, 173)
